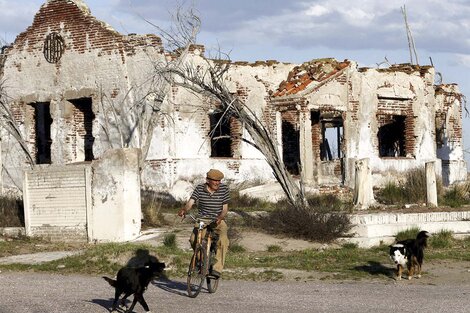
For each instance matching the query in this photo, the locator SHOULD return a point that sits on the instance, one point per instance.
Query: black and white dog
(134, 281)
(409, 253)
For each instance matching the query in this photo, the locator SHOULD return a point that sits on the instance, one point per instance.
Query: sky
(366, 31)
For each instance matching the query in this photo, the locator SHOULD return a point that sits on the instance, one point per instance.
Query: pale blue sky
(365, 31)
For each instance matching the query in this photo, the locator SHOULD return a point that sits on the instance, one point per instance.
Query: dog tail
(112, 282)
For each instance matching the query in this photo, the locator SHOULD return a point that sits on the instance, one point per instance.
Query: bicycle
(203, 258)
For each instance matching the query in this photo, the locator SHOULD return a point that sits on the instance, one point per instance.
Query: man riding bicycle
(212, 199)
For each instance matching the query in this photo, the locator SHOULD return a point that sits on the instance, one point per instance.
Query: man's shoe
(215, 274)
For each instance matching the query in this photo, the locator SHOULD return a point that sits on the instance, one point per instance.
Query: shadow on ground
(375, 268)
(107, 304)
(175, 287)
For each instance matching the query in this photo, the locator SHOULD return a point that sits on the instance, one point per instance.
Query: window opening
(54, 47)
(290, 147)
(83, 123)
(391, 135)
(220, 134)
(42, 127)
(332, 134)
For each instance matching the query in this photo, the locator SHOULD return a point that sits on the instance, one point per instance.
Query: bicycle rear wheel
(196, 272)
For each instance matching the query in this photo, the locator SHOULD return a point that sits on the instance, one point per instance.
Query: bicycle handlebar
(202, 221)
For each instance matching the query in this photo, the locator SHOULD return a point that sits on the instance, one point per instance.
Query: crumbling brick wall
(82, 32)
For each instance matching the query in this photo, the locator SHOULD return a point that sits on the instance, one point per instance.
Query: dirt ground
(436, 272)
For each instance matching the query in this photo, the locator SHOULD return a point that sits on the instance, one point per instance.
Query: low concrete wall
(97, 202)
(375, 228)
(116, 214)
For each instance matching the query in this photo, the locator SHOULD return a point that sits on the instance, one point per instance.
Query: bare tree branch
(8, 122)
(411, 43)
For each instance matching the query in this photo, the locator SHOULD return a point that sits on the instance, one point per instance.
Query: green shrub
(409, 233)
(391, 193)
(329, 203)
(413, 190)
(236, 248)
(245, 203)
(310, 223)
(415, 185)
(456, 196)
(169, 241)
(274, 248)
(350, 246)
(442, 239)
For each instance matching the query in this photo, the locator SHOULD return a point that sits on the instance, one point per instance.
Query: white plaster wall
(116, 214)
(185, 146)
(332, 94)
(366, 86)
(195, 169)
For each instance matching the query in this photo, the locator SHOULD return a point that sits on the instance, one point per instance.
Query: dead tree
(10, 125)
(209, 80)
(411, 42)
(134, 118)
(130, 121)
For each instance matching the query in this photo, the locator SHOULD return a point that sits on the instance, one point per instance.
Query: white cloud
(357, 16)
(317, 10)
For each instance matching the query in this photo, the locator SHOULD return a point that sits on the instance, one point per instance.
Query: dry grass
(154, 204)
(324, 220)
(11, 212)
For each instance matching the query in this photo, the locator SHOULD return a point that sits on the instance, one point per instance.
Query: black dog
(134, 280)
(411, 253)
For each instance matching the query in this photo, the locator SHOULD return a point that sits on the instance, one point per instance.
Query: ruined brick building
(72, 82)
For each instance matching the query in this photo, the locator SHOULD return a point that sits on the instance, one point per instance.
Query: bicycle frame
(204, 238)
(199, 268)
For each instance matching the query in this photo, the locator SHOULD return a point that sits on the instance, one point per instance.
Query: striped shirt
(210, 205)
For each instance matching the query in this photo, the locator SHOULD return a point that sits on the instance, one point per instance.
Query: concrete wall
(380, 228)
(97, 202)
(116, 210)
(57, 202)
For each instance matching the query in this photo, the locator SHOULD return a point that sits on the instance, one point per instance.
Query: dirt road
(39, 293)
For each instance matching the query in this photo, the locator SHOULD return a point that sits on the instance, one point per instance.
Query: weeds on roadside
(409, 233)
(391, 193)
(245, 203)
(413, 190)
(274, 248)
(415, 185)
(320, 222)
(350, 245)
(456, 196)
(442, 239)
(236, 248)
(346, 262)
(169, 241)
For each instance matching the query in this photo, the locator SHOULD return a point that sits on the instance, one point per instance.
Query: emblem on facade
(54, 47)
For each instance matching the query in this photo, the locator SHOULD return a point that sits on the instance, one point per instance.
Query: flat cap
(215, 174)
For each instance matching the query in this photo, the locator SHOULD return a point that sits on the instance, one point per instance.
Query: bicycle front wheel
(196, 272)
(212, 284)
